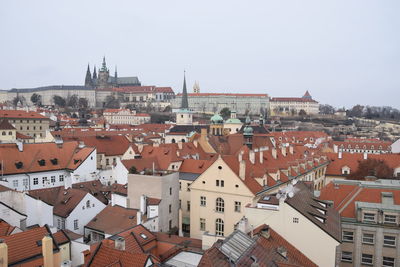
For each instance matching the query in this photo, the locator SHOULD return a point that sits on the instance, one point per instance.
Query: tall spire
(94, 73)
(185, 103)
(103, 65)
(88, 78)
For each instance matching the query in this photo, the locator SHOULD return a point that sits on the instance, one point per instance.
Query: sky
(345, 52)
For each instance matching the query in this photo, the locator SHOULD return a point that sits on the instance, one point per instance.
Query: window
(44, 179)
(388, 262)
(61, 178)
(169, 208)
(3, 133)
(366, 259)
(202, 224)
(188, 206)
(76, 227)
(219, 227)
(389, 241)
(368, 238)
(348, 236)
(295, 220)
(203, 201)
(15, 183)
(347, 256)
(217, 182)
(53, 179)
(238, 206)
(187, 188)
(88, 204)
(25, 182)
(170, 225)
(180, 186)
(369, 217)
(107, 161)
(170, 191)
(222, 183)
(220, 205)
(389, 219)
(35, 181)
(9, 133)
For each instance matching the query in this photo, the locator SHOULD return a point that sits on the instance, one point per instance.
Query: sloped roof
(110, 145)
(5, 125)
(21, 114)
(63, 200)
(5, 228)
(113, 219)
(56, 157)
(24, 245)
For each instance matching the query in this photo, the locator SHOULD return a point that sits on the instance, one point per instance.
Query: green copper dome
(248, 130)
(217, 119)
(233, 121)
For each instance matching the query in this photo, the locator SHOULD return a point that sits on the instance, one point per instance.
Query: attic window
(143, 236)
(76, 161)
(220, 167)
(42, 162)
(39, 243)
(54, 161)
(19, 164)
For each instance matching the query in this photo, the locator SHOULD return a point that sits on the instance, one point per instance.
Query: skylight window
(143, 236)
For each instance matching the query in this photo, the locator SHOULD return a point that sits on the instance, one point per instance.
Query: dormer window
(369, 217)
(143, 236)
(42, 162)
(54, 161)
(19, 165)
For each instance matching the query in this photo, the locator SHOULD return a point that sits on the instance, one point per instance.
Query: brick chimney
(273, 152)
(3, 254)
(47, 251)
(252, 156)
(242, 169)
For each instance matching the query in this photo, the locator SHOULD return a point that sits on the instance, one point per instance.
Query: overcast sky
(344, 52)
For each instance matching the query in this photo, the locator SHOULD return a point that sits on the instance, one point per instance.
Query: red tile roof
(63, 200)
(225, 94)
(56, 157)
(5, 125)
(110, 145)
(292, 99)
(24, 246)
(113, 219)
(5, 228)
(21, 114)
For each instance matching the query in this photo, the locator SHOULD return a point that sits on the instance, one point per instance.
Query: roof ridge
(359, 189)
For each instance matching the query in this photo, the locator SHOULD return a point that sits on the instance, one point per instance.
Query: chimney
(291, 150)
(3, 254)
(143, 203)
(240, 156)
(203, 132)
(138, 218)
(180, 145)
(261, 157)
(59, 142)
(140, 147)
(242, 169)
(273, 152)
(335, 148)
(252, 156)
(365, 156)
(120, 243)
(47, 251)
(283, 149)
(81, 144)
(340, 155)
(265, 232)
(195, 143)
(20, 145)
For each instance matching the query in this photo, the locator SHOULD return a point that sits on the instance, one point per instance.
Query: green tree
(302, 112)
(73, 101)
(111, 102)
(59, 101)
(225, 113)
(372, 167)
(18, 99)
(83, 103)
(36, 99)
(132, 170)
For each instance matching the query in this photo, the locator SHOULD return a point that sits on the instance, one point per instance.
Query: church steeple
(116, 75)
(104, 65)
(185, 102)
(88, 78)
(94, 73)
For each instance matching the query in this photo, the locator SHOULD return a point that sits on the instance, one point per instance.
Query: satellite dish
(291, 194)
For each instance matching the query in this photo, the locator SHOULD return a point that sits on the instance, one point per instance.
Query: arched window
(173, 140)
(88, 204)
(219, 205)
(219, 227)
(3, 133)
(9, 133)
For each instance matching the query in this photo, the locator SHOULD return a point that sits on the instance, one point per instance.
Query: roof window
(19, 165)
(54, 161)
(143, 236)
(42, 162)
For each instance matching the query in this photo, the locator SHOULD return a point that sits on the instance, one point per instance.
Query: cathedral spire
(88, 78)
(185, 103)
(94, 73)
